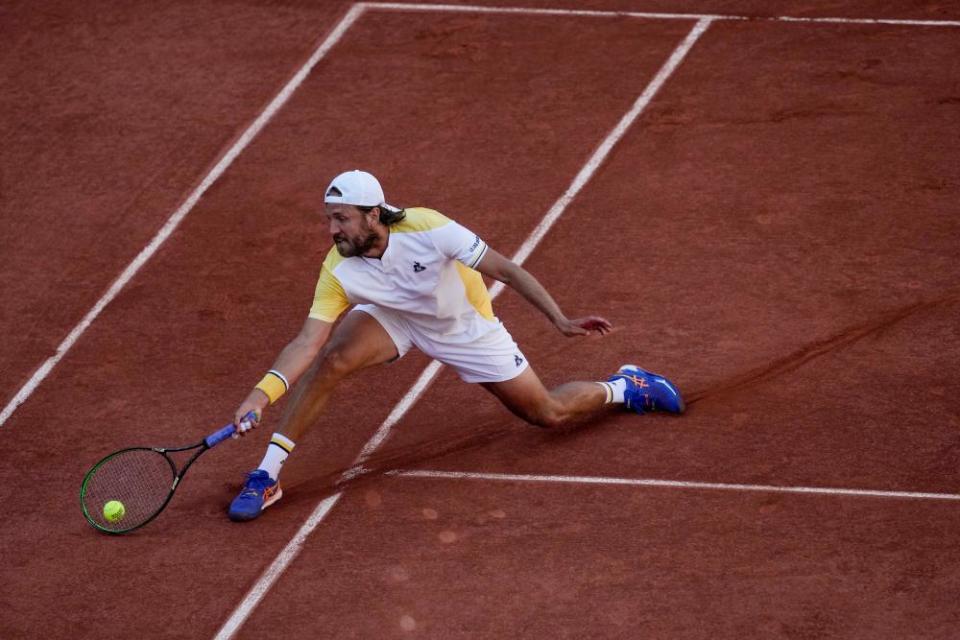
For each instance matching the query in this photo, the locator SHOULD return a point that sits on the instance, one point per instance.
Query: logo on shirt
(417, 267)
(517, 360)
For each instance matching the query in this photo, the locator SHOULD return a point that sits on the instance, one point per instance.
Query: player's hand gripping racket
(130, 487)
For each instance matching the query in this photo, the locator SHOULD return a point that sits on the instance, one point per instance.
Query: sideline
(177, 217)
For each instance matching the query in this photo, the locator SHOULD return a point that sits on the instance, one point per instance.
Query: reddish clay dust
(110, 115)
(776, 233)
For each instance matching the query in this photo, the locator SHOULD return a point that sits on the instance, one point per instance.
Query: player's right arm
(329, 301)
(292, 361)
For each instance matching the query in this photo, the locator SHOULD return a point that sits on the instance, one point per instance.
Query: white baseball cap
(355, 187)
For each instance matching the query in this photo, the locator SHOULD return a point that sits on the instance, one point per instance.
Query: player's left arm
(498, 267)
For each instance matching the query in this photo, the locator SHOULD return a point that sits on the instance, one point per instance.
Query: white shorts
(493, 357)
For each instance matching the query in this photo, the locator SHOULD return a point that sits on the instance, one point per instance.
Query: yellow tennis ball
(114, 511)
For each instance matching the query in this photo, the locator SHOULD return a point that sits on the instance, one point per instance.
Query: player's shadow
(801, 356)
(497, 430)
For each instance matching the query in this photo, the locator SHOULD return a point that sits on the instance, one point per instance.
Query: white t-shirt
(426, 273)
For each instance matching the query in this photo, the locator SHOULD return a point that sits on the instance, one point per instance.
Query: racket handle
(219, 436)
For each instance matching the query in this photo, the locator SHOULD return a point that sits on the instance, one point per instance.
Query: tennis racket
(142, 480)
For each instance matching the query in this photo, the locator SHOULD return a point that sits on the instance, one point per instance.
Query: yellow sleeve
(329, 298)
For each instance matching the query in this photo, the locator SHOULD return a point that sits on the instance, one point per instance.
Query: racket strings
(141, 479)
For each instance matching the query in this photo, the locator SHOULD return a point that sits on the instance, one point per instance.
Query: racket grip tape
(220, 435)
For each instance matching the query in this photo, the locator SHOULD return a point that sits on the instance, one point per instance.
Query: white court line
(672, 484)
(549, 219)
(533, 11)
(292, 549)
(177, 217)
(890, 21)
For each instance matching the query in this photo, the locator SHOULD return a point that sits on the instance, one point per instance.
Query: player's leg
(527, 398)
(495, 361)
(358, 342)
(633, 387)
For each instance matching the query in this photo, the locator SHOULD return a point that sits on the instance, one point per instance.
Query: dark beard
(357, 247)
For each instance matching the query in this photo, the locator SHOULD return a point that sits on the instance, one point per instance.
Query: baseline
(670, 484)
(596, 13)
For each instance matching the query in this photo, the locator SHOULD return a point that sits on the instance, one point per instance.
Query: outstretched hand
(255, 403)
(584, 326)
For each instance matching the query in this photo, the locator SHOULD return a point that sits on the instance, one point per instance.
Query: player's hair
(388, 215)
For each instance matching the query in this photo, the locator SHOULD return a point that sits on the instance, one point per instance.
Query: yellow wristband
(274, 384)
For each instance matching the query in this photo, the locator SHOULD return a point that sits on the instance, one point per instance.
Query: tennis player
(414, 278)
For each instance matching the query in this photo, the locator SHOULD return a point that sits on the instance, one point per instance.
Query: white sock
(277, 451)
(614, 390)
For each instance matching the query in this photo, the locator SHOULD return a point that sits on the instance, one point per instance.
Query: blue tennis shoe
(259, 492)
(648, 391)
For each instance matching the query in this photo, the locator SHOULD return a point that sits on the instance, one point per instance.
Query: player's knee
(335, 364)
(547, 417)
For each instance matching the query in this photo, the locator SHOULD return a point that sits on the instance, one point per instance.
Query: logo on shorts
(517, 360)
(417, 267)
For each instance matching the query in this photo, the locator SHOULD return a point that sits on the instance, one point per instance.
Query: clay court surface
(765, 208)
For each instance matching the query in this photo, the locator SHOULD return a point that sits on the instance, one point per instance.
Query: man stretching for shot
(414, 277)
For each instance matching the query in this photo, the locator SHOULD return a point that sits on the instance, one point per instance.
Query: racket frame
(212, 440)
(177, 476)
